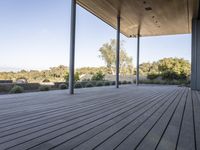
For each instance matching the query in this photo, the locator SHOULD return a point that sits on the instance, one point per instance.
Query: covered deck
(131, 117)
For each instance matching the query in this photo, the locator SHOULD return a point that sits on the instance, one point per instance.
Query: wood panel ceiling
(150, 17)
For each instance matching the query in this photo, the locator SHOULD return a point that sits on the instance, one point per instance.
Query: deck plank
(136, 137)
(123, 131)
(196, 111)
(171, 133)
(55, 131)
(74, 114)
(74, 119)
(123, 120)
(132, 117)
(154, 137)
(186, 138)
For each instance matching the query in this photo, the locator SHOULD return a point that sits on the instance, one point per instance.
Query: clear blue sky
(34, 34)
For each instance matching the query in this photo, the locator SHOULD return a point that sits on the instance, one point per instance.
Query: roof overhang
(148, 17)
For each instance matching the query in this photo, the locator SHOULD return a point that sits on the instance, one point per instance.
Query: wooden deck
(144, 117)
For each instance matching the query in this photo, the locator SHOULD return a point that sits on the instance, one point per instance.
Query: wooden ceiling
(150, 17)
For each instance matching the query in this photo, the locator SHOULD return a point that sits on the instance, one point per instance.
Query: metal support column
(118, 51)
(138, 60)
(72, 47)
(195, 68)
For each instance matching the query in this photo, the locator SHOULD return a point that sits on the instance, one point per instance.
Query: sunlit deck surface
(145, 117)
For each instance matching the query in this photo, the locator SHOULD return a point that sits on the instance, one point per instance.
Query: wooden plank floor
(145, 117)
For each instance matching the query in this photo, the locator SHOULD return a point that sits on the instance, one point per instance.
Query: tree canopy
(168, 68)
(108, 54)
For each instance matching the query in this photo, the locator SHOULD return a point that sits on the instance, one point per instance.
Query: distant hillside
(8, 69)
(167, 68)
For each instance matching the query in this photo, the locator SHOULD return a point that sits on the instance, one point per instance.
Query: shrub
(44, 88)
(83, 83)
(169, 75)
(93, 83)
(107, 83)
(129, 82)
(86, 80)
(134, 81)
(63, 86)
(30, 86)
(145, 81)
(66, 77)
(157, 82)
(124, 82)
(183, 76)
(57, 84)
(152, 76)
(76, 77)
(113, 83)
(99, 83)
(165, 82)
(78, 85)
(5, 87)
(89, 85)
(17, 89)
(119, 82)
(99, 76)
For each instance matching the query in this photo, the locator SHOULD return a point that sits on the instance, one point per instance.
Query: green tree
(168, 68)
(108, 54)
(174, 68)
(145, 68)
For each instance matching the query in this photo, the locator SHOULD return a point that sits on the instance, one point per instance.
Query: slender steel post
(72, 47)
(117, 52)
(195, 61)
(138, 60)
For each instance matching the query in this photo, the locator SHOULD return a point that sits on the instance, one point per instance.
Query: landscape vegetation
(164, 71)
